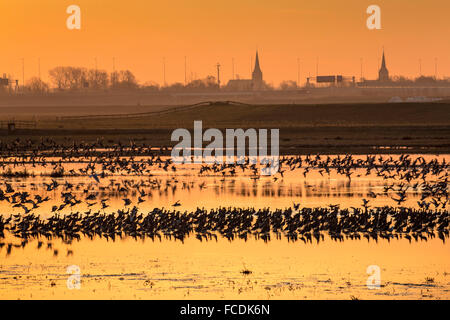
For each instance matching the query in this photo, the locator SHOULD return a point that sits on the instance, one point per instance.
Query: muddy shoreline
(293, 141)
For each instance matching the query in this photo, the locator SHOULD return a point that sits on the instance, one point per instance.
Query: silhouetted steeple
(383, 62)
(257, 67)
(383, 74)
(257, 79)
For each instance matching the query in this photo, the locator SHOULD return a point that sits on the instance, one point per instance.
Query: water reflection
(296, 231)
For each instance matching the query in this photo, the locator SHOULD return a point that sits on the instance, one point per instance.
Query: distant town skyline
(236, 78)
(142, 36)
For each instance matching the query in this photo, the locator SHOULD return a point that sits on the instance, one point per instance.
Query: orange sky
(139, 33)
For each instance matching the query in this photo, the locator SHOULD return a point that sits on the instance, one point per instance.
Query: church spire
(257, 76)
(257, 67)
(383, 74)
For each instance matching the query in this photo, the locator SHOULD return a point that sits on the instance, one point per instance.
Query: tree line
(76, 79)
(82, 79)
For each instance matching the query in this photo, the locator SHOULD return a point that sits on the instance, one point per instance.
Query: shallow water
(213, 190)
(168, 269)
(213, 270)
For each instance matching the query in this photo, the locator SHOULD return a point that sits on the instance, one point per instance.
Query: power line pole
(185, 79)
(23, 73)
(114, 72)
(317, 67)
(218, 75)
(164, 70)
(298, 72)
(232, 68)
(435, 68)
(361, 65)
(96, 74)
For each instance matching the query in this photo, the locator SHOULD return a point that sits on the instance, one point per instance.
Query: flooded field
(213, 253)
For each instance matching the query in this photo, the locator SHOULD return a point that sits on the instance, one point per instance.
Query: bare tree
(74, 78)
(68, 78)
(207, 84)
(57, 77)
(97, 79)
(124, 79)
(288, 85)
(36, 85)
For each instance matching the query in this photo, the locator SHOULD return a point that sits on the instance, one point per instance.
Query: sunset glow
(141, 34)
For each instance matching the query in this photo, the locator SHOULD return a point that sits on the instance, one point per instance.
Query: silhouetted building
(383, 73)
(4, 81)
(257, 77)
(255, 83)
(383, 77)
(240, 85)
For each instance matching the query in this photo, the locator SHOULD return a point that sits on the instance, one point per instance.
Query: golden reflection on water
(196, 270)
(142, 269)
(212, 191)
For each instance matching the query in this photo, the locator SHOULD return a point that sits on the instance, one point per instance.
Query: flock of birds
(96, 162)
(304, 224)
